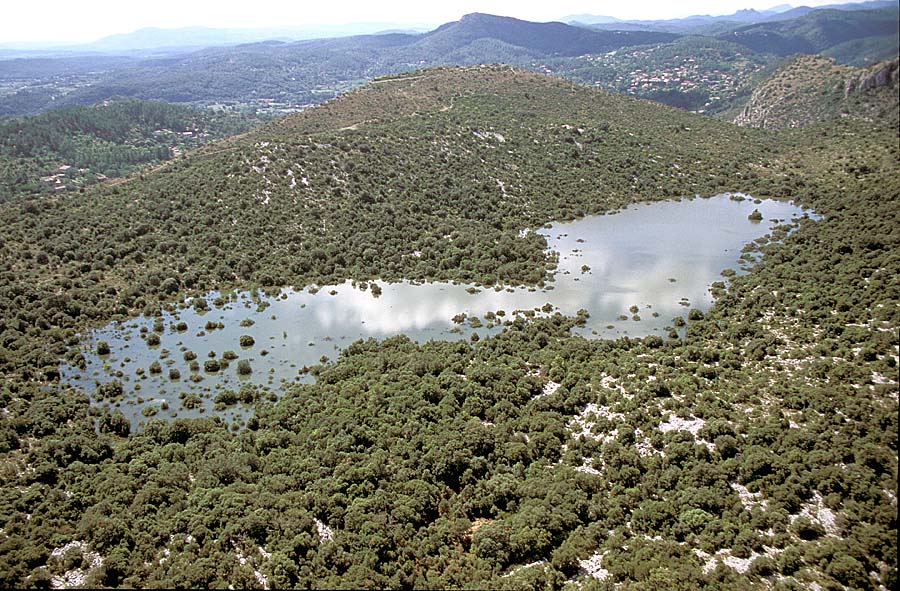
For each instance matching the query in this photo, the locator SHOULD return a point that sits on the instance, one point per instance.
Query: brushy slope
(758, 451)
(451, 163)
(816, 31)
(810, 89)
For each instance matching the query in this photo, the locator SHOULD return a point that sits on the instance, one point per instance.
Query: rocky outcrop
(813, 88)
(880, 75)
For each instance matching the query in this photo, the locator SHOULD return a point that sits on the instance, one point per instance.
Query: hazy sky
(89, 20)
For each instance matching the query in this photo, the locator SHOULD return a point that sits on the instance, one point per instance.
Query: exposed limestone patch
(749, 499)
(326, 534)
(676, 423)
(587, 467)
(253, 562)
(593, 567)
(643, 446)
(735, 563)
(816, 511)
(692, 426)
(484, 135)
(549, 389)
(584, 423)
(75, 577)
(519, 569)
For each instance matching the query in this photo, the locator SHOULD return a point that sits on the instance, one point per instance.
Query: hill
(802, 10)
(353, 146)
(811, 89)
(700, 74)
(816, 31)
(760, 445)
(691, 25)
(713, 25)
(545, 39)
(866, 51)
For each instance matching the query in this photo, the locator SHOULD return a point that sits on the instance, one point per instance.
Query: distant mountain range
(207, 37)
(312, 70)
(707, 24)
(550, 38)
(815, 31)
(554, 39)
(149, 41)
(741, 16)
(711, 72)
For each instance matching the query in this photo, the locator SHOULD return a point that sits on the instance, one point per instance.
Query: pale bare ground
(396, 79)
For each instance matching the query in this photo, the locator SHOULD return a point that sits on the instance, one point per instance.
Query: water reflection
(660, 257)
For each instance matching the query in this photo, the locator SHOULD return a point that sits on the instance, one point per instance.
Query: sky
(90, 20)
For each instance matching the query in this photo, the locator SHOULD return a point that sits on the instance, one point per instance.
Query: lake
(632, 271)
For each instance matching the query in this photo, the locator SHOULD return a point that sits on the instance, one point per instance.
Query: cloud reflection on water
(632, 256)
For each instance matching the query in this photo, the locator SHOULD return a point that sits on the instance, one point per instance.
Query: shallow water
(660, 257)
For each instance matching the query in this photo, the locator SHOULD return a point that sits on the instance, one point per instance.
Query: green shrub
(762, 566)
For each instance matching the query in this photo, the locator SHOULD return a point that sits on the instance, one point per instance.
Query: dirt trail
(396, 79)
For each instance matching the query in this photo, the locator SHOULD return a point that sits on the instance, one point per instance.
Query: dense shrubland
(766, 439)
(813, 88)
(435, 195)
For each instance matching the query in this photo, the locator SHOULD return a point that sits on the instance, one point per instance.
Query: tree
(115, 424)
(849, 571)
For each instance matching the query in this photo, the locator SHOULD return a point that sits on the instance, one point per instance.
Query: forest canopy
(71, 148)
